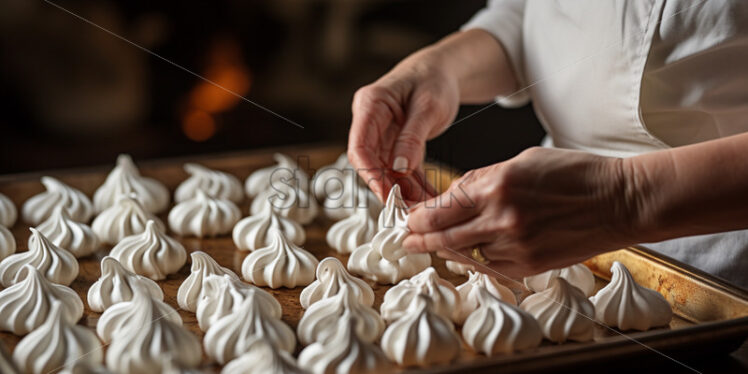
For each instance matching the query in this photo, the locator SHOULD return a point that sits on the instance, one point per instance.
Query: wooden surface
(21, 187)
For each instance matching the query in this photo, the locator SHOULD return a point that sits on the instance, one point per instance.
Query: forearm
(696, 189)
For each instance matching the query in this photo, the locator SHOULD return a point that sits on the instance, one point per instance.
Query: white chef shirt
(620, 78)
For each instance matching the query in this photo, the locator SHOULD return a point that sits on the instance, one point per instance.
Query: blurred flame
(198, 125)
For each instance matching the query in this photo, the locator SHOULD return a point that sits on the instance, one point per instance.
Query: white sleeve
(503, 19)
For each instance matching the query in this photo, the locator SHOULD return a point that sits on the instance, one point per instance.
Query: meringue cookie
(57, 264)
(286, 171)
(577, 275)
(121, 318)
(56, 343)
(395, 212)
(190, 291)
(421, 337)
(223, 295)
(203, 216)
(343, 202)
(563, 312)
(291, 202)
(458, 267)
(125, 179)
(499, 327)
(444, 296)
(331, 279)
(320, 321)
(25, 305)
(328, 180)
(344, 352)
(252, 232)
(216, 184)
(6, 363)
(262, 358)
(142, 347)
(7, 243)
(62, 231)
(233, 334)
(150, 253)
(624, 304)
(8, 213)
(116, 284)
(352, 232)
(469, 293)
(281, 264)
(80, 367)
(124, 218)
(370, 260)
(39, 207)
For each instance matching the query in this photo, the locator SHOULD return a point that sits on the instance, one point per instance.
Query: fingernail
(400, 165)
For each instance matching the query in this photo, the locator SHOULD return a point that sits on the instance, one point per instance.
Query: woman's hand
(544, 209)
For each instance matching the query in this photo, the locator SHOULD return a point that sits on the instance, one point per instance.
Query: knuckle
(409, 139)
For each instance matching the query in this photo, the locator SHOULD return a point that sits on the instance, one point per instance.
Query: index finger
(448, 209)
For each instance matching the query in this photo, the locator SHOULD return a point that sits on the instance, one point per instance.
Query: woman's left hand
(544, 209)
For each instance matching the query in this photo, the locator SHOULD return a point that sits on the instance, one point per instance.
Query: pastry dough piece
(123, 317)
(223, 295)
(343, 202)
(370, 261)
(281, 264)
(444, 296)
(252, 232)
(262, 358)
(7, 243)
(352, 232)
(421, 337)
(56, 343)
(291, 202)
(499, 327)
(329, 179)
(150, 253)
(203, 266)
(469, 293)
(61, 230)
(39, 207)
(57, 264)
(125, 218)
(8, 212)
(395, 212)
(331, 279)
(125, 179)
(214, 183)
(577, 275)
(285, 172)
(232, 335)
(624, 304)
(25, 305)
(344, 352)
(116, 284)
(458, 267)
(563, 312)
(322, 319)
(203, 216)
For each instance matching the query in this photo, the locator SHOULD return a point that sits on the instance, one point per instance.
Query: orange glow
(198, 125)
(227, 70)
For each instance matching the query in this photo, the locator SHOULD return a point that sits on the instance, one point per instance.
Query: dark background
(73, 95)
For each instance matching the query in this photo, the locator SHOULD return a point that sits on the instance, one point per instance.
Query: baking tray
(710, 314)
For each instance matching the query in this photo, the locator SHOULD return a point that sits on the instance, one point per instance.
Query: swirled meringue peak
(458, 267)
(328, 180)
(232, 335)
(291, 202)
(384, 260)
(252, 232)
(395, 212)
(444, 296)
(61, 230)
(8, 212)
(216, 184)
(577, 275)
(350, 233)
(470, 292)
(150, 338)
(343, 202)
(222, 295)
(121, 318)
(203, 216)
(7, 243)
(55, 263)
(117, 284)
(25, 305)
(262, 358)
(56, 343)
(421, 337)
(203, 266)
(320, 321)
(624, 304)
(80, 367)
(332, 278)
(344, 352)
(125, 179)
(563, 312)
(124, 218)
(39, 207)
(150, 253)
(285, 171)
(281, 264)
(499, 327)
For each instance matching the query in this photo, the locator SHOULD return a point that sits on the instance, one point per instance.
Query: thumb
(410, 145)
